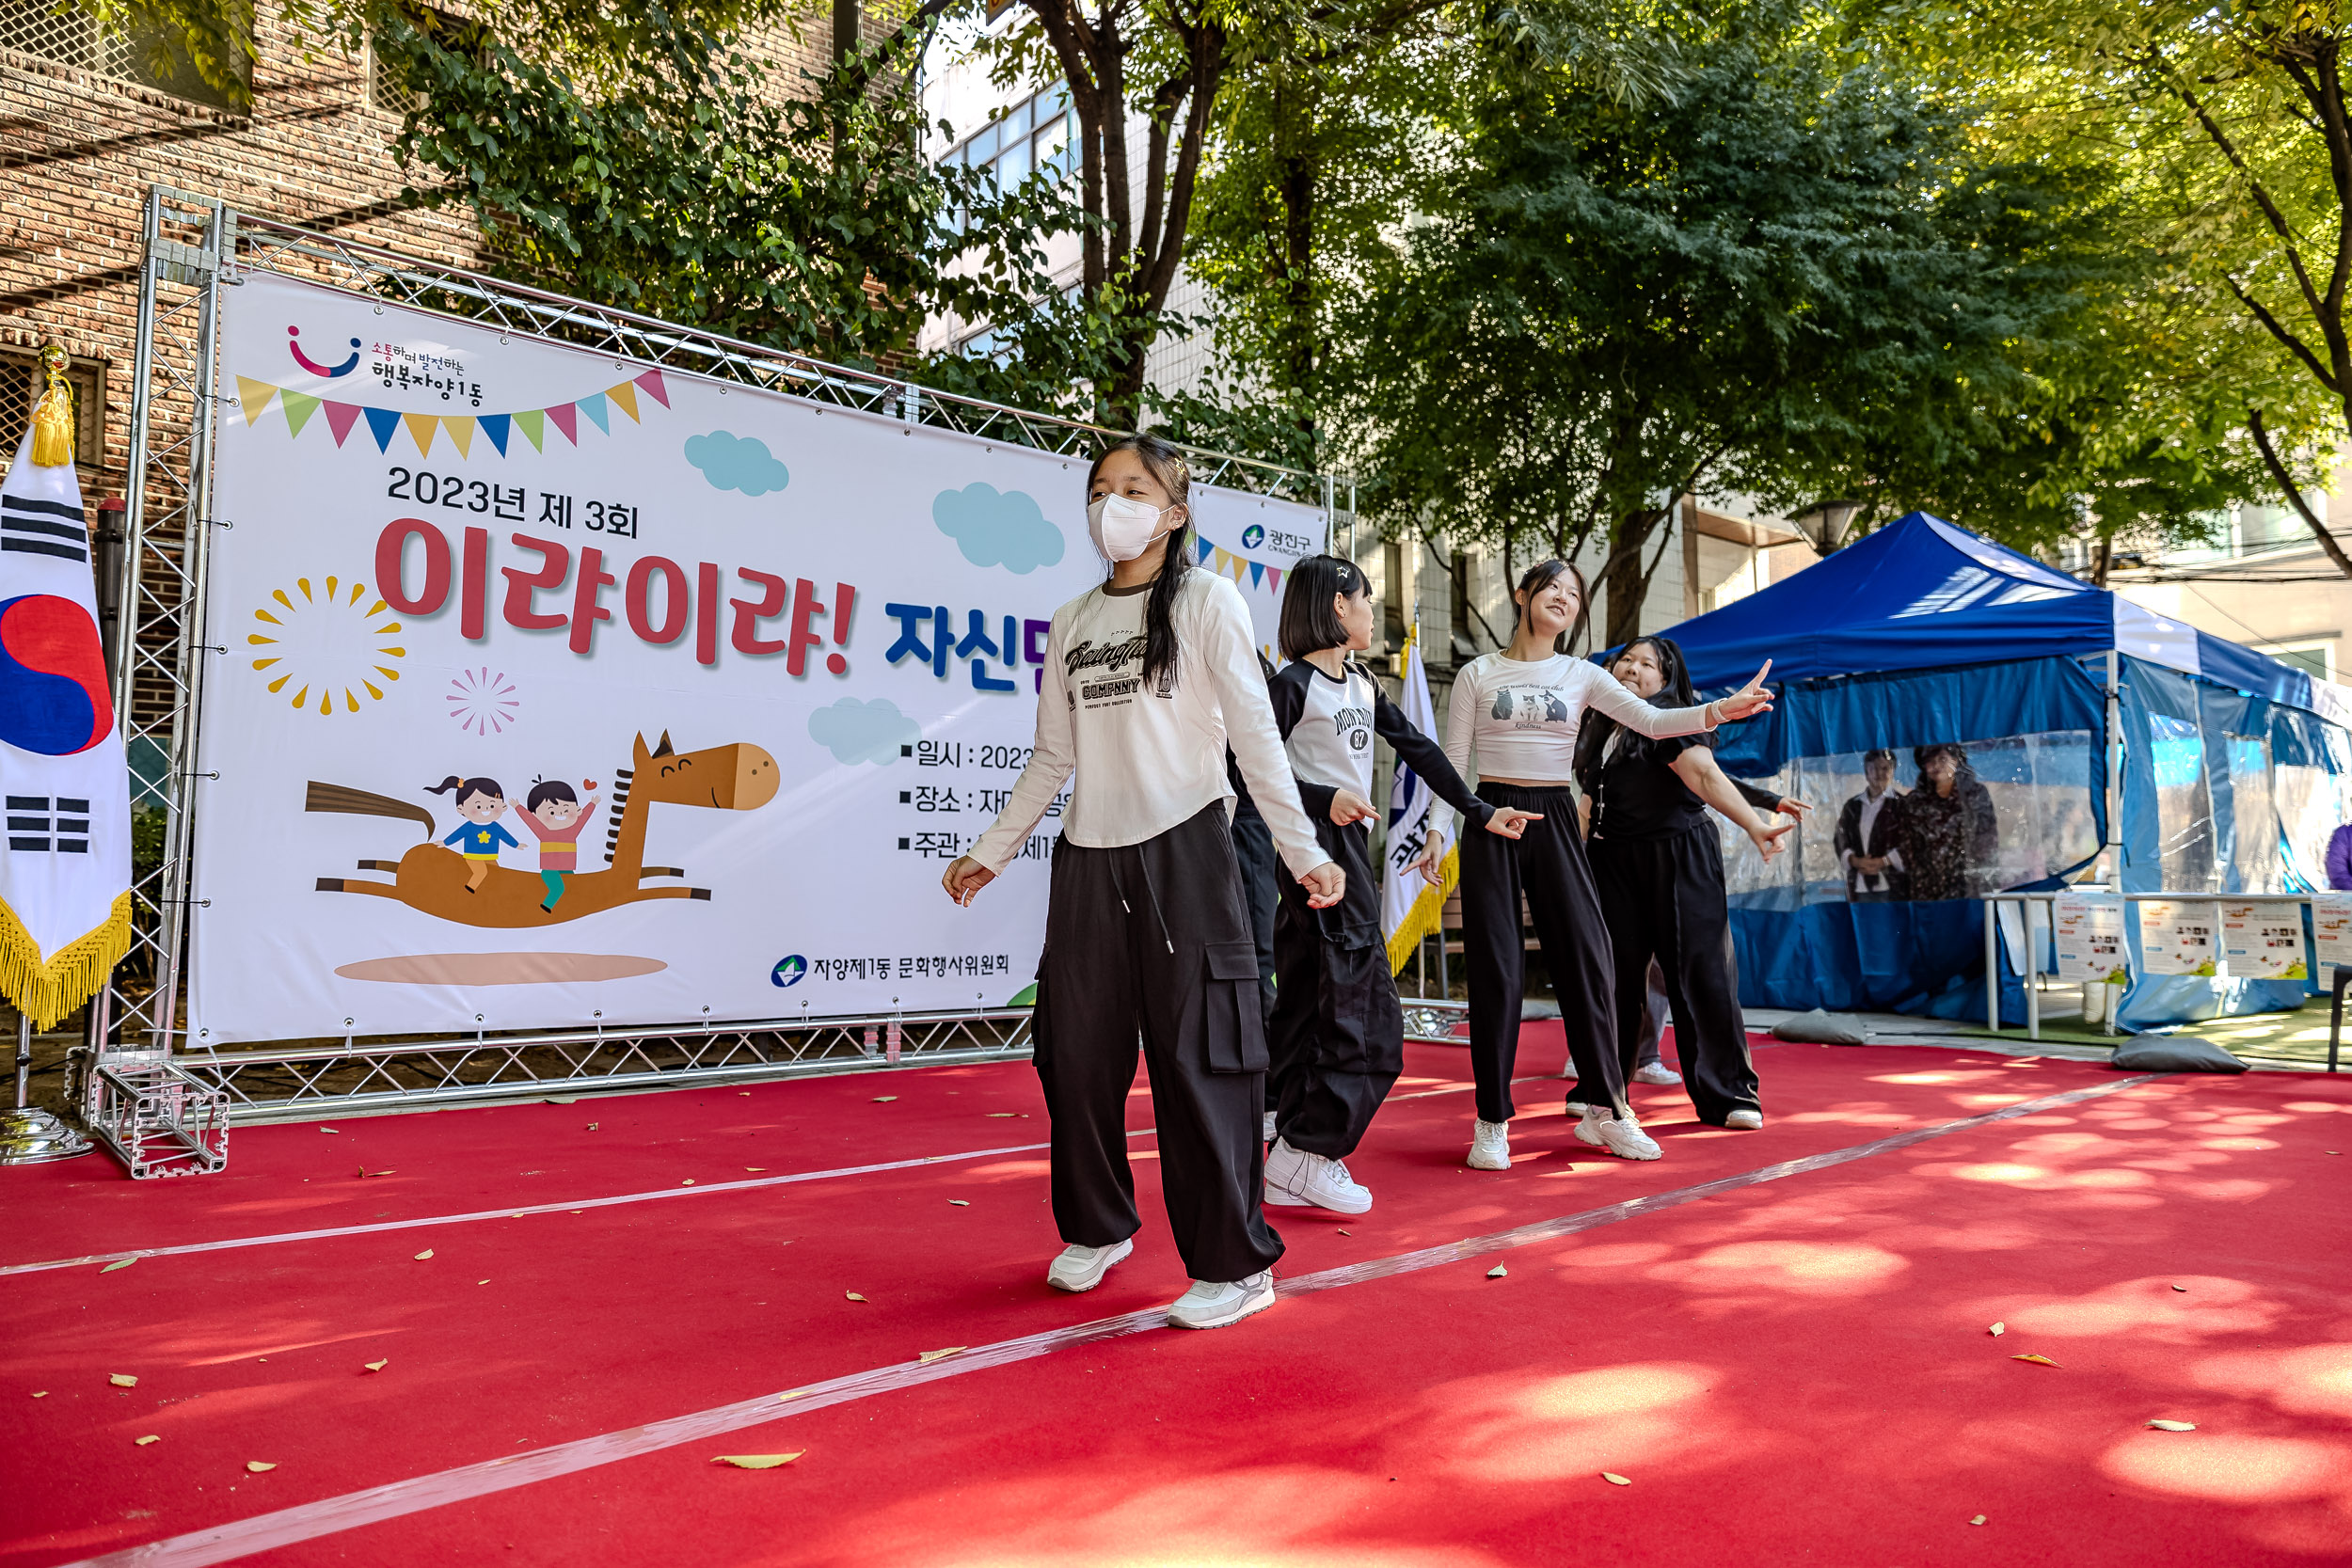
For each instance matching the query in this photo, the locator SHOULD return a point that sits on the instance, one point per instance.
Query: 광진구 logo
(788, 972)
(1253, 536)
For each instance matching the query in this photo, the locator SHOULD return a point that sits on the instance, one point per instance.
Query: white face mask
(1122, 528)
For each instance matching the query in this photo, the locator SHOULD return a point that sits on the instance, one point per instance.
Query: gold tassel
(53, 415)
(46, 992)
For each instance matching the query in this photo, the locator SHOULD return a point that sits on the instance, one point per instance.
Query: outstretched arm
(1696, 767)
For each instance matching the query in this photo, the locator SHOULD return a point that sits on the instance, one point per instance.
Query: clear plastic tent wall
(1942, 707)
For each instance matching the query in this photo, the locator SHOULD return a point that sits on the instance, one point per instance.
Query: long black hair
(1167, 464)
(1592, 742)
(1308, 623)
(1542, 576)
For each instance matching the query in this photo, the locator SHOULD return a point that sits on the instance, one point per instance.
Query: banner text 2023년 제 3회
(560, 689)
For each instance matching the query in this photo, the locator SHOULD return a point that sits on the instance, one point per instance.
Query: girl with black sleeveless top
(1657, 861)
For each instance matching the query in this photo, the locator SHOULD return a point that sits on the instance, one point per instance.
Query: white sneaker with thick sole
(1576, 1107)
(1491, 1146)
(1266, 1126)
(1658, 1073)
(1622, 1137)
(1082, 1268)
(1745, 1121)
(1295, 1177)
(1217, 1305)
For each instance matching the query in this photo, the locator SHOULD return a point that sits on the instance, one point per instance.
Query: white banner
(2331, 928)
(2262, 942)
(2088, 937)
(2179, 936)
(769, 666)
(1412, 907)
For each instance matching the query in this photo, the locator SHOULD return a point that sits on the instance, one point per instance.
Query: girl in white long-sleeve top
(1517, 712)
(1146, 680)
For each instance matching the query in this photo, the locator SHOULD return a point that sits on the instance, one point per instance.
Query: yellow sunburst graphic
(323, 644)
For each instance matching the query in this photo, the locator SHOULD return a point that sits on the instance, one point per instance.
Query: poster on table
(2088, 931)
(2179, 936)
(2262, 941)
(2331, 928)
(565, 690)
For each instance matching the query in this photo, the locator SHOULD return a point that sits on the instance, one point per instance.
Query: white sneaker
(1491, 1146)
(1622, 1137)
(1658, 1073)
(1082, 1268)
(1745, 1121)
(1295, 1177)
(1215, 1305)
(1266, 1128)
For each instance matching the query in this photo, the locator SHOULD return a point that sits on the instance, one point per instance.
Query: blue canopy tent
(2208, 766)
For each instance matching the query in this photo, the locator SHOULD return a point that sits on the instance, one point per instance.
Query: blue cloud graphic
(998, 530)
(856, 731)
(732, 462)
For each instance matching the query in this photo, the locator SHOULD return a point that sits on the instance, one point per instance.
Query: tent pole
(2114, 845)
(1992, 967)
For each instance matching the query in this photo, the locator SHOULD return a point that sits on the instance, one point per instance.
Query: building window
(1034, 135)
(2317, 656)
(20, 388)
(149, 56)
(387, 91)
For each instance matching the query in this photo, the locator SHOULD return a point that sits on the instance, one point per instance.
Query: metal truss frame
(163, 1108)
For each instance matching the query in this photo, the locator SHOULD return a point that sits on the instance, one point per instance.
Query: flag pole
(29, 1135)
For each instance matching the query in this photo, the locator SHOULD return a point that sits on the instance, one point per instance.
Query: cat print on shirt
(1527, 707)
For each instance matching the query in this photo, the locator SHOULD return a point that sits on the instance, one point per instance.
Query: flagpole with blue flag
(1411, 907)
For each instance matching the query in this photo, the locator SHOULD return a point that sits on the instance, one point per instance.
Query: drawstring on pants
(1154, 894)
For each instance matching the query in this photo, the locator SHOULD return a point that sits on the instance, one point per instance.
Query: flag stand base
(31, 1136)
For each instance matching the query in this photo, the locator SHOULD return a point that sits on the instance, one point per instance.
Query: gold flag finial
(53, 415)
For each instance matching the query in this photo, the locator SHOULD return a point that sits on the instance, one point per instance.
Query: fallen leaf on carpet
(743, 1093)
(757, 1461)
(1347, 1232)
(854, 1296)
(482, 1282)
(142, 1442)
(2037, 1360)
(2182, 1289)
(258, 1466)
(926, 1358)
(425, 1253)
(793, 1395)
(122, 1380)
(593, 1126)
(330, 1130)
(2174, 1426)
(688, 1183)
(41, 1393)
(379, 1366)
(1998, 1330)
(884, 1098)
(755, 1170)
(1977, 1520)
(562, 1099)
(1497, 1271)
(1615, 1480)
(1001, 1112)
(119, 1263)
(960, 1202)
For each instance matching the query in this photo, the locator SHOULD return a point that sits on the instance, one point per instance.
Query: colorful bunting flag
(255, 398)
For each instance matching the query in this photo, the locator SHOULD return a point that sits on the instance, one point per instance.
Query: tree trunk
(1626, 581)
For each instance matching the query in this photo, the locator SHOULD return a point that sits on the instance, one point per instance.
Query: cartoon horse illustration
(432, 877)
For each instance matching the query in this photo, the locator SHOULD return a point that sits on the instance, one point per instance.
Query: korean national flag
(65, 874)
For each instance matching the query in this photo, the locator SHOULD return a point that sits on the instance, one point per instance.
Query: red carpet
(1796, 1372)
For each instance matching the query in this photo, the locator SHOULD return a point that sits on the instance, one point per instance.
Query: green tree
(1616, 304)
(2226, 132)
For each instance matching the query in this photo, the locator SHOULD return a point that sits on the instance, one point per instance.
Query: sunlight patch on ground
(2148, 1308)
(2314, 1380)
(1509, 1428)
(1806, 1268)
(2223, 1468)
